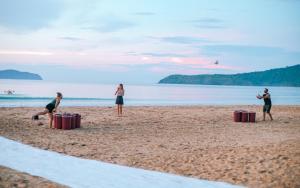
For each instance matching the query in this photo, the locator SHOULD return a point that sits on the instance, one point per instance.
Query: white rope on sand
(77, 172)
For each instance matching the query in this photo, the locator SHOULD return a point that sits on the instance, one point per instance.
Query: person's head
(266, 90)
(121, 86)
(59, 95)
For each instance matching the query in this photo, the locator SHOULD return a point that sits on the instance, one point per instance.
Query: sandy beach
(199, 141)
(11, 178)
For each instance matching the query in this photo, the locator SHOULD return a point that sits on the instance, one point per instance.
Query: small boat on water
(9, 92)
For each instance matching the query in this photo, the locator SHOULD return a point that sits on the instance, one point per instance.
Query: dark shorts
(119, 100)
(267, 108)
(50, 107)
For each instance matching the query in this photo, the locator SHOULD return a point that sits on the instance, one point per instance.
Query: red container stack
(252, 117)
(237, 116)
(73, 124)
(78, 120)
(245, 116)
(66, 122)
(57, 121)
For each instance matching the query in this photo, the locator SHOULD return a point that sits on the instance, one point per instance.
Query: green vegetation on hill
(14, 74)
(289, 76)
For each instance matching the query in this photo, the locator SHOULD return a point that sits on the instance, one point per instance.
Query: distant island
(288, 76)
(14, 74)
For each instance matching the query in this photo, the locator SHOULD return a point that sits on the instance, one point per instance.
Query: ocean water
(39, 93)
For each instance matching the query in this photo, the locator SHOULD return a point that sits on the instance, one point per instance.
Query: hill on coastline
(288, 76)
(14, 74)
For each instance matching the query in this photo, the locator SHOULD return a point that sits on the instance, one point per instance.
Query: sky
(142, 41)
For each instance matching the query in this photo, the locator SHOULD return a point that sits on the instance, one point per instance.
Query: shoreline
(194, 141)
(159, 105)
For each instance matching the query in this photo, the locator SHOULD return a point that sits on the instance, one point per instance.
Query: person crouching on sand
(50, 108)
(268, 103)
(119, 100)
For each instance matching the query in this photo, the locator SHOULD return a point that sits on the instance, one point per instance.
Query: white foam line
(77, 172)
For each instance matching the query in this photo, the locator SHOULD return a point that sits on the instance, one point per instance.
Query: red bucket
(73, 124)
(78, 120)
(66, 122)
(252, 116)
(245, 116)
(237, 116)
(57, 121)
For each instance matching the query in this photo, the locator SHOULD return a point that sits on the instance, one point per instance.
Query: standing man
(268, 103)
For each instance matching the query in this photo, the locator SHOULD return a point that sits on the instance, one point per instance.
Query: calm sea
(39, 93)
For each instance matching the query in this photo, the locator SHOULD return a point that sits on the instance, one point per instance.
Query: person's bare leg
(118, 106)
(50, 120)
(270, 116)
(121, 108)
(264, 116)
(42, 113)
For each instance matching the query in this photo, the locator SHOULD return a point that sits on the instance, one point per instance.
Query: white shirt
(120, 92)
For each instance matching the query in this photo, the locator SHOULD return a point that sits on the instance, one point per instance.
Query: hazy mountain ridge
(14, 74)
(288, 76)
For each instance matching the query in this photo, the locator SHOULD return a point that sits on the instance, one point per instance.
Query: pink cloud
(225, 67)
(23, 52)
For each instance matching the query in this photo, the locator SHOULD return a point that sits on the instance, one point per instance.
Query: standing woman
(50, 108)
(119, 101)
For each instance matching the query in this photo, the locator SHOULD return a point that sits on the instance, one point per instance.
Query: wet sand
(200, 142)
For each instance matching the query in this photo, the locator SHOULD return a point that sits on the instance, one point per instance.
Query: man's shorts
(267, 108)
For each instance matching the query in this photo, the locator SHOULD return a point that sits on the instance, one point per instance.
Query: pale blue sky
(135, 41)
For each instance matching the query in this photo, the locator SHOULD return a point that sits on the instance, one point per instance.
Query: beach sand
(197, 141)
(13, 179)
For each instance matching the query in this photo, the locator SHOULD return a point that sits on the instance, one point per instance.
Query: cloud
(34, 53)
(251, 57)
(29, 14)
(155, 54)
(183, 40)
(219, 67)
(111, 25)
(209, 23)
(245, 50)
(177, 60)
(70, 38)
(173, 68)
(144, 13)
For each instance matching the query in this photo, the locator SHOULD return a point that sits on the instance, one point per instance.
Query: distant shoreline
(18, 75)
(288, 76)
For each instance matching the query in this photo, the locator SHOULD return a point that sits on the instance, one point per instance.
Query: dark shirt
(53, 102)
(267, 100)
